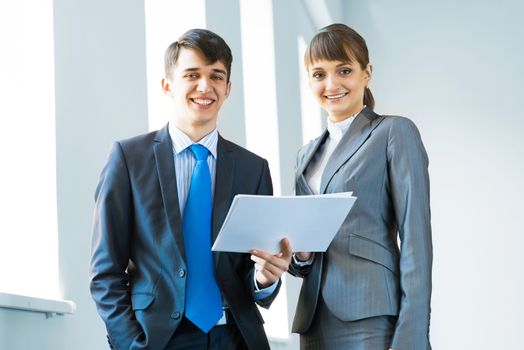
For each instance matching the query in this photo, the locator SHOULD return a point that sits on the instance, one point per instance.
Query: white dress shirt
(317, 165)
(185, 161)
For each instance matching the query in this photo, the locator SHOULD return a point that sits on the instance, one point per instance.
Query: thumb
(285, 247)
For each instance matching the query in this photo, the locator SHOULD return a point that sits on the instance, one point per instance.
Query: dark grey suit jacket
(138, 268)
(363, 273)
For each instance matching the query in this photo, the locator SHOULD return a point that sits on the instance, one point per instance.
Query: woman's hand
(303, 256)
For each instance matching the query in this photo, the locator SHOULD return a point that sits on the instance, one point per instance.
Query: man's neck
(195, 132)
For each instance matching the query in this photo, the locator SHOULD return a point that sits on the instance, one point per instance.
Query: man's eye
(217, 77)
(191, 75)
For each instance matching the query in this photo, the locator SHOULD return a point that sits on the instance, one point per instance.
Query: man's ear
(228, 90)
(165, 87)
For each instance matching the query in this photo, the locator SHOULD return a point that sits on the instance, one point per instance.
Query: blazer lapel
(351, 141)
(301, 179)
(223, 187)
(165, 167)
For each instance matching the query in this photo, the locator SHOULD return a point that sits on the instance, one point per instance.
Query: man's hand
(268, 267)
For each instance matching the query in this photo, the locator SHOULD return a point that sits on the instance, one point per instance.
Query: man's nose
(203, 85)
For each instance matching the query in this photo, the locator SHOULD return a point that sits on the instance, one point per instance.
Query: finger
(261, 254)
(285, 247)
(280, 263)
(264, 279)
(278, 270)
(266, 274)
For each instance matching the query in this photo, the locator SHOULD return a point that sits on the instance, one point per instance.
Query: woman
(364, 292)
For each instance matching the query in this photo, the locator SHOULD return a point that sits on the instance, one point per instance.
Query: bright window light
(262, 117)
(29, 233)
(256, 20)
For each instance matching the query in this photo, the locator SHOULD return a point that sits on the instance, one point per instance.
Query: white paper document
(309, 222)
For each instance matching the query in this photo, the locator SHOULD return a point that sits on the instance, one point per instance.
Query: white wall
(455, 68)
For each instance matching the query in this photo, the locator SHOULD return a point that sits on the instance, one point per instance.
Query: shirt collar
(336, 130)
(181, 141)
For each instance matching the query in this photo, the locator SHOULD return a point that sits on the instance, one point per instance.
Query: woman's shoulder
(397, 123)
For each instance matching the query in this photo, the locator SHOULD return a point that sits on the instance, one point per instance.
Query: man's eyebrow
(215, 70)
(218, 70)
(190, 69)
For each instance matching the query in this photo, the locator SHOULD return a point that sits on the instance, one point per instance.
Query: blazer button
(175, 315)
(181, 272)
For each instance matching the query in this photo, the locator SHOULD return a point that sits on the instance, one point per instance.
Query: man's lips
(202, 101)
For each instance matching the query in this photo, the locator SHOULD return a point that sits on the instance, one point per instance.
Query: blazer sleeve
(110, 247)
(409, 186)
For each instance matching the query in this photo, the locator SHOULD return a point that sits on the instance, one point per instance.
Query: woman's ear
(368, 70)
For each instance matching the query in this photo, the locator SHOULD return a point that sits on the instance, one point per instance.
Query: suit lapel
(302, 187)
(223, 187)
(165, 167)
(351, 141)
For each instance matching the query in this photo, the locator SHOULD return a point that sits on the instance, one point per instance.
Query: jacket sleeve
(110, 247)
(301, 270)
(409, 186)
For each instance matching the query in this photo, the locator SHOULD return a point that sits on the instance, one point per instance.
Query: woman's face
(339, 87)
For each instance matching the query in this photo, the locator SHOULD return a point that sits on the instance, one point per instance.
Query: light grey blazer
(364, 273)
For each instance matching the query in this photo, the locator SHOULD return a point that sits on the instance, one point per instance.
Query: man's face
(197, 89)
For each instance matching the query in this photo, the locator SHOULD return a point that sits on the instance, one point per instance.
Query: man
(154, 279)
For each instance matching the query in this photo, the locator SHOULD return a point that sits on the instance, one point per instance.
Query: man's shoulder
(140, 139)
(238, 151)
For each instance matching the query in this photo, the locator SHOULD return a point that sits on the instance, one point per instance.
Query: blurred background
(77, 75)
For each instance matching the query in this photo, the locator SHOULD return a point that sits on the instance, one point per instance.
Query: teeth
(333, 97)
(200, 101)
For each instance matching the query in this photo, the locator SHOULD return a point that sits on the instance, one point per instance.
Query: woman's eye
(346, 71)
(318, 75)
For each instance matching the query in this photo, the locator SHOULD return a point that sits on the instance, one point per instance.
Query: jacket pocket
(141, 301)
(371, 250)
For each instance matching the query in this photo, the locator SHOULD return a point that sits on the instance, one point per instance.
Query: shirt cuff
(264, 292)
(303, 263)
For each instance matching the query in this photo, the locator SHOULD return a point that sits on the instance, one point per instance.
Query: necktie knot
(200, 152)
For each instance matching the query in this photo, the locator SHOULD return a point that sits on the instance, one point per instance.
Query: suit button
(181, 272)
(175, 315)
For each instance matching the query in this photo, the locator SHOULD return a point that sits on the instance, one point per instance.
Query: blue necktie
(203, 299)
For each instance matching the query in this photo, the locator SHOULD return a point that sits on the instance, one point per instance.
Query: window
(28, 237)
